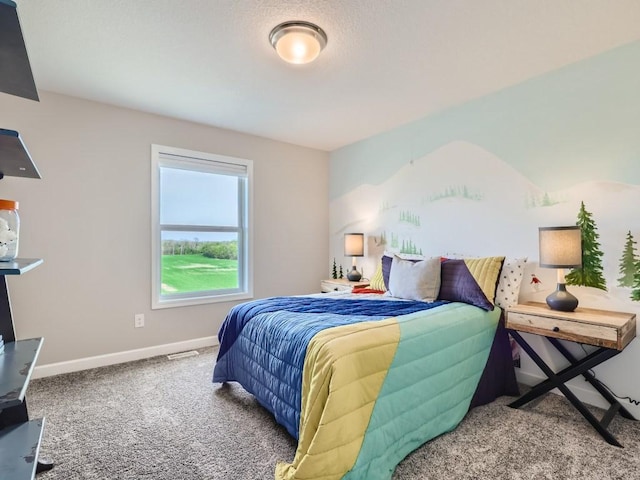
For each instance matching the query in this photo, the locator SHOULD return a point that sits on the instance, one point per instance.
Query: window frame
(172, 157)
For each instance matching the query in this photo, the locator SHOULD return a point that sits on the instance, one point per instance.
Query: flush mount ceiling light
(298, 42)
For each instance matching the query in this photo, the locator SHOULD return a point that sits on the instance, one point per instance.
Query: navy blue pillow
(386, 270)
(458, 285)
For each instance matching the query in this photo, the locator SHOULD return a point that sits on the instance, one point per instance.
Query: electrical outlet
(138, 320)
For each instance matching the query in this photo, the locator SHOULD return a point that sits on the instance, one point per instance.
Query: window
(201, 212)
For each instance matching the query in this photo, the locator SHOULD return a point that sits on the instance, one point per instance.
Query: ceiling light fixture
(298, 42)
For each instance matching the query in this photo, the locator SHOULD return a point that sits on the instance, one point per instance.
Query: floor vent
(176, 356)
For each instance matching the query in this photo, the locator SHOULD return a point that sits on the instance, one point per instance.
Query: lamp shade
(354, 244)
(298, 42)
(560, 247)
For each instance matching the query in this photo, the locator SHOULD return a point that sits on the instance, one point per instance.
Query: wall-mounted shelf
(16, 77)
(15, 160)
(19, 266)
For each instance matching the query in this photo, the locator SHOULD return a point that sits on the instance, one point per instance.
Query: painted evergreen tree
(334, 270)
(394, 240)
(590, 274)
(628, 263)
(635, 293)
(341, 275)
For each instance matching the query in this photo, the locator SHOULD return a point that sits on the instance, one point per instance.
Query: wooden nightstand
(340, 285)
(610, 331)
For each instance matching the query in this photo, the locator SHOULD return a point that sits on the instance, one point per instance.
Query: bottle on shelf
(9, 230)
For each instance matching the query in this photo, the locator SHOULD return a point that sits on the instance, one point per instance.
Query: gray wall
(89, 218)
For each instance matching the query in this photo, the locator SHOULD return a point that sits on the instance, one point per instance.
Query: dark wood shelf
(19, 447)
(16, 77)
(19, 266)
(17, 364)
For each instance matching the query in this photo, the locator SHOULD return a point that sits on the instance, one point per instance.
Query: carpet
(161, 419)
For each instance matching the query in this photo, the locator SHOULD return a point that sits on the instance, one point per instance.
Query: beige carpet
(164, 420)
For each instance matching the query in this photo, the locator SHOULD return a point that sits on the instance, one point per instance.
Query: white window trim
(161, 155)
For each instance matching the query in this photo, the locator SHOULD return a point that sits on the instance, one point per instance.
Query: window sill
(187, 302)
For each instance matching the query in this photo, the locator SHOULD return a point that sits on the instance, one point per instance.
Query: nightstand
(610, 331)
(340, 285)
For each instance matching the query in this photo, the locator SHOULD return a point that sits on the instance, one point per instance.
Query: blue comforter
(263, 344)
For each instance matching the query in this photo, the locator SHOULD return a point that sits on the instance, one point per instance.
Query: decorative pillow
(386, 264)
(486, 272)
(366, 290)
(386, 269)
(415, 280)
(510, 281)
(472, 281)
(377, 280)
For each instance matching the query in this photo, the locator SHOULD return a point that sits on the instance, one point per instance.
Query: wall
(89, 218)
(480, 178)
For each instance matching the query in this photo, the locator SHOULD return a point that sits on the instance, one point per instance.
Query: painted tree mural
(381, 240)
(409, 247)
(628, 263)
(412, 218)
(635, 293)
(532, 200)
(394, 240)
(590, 274)
(454, 191)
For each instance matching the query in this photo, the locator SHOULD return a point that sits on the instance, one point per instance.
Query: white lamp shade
(560, 247)
(354, 244)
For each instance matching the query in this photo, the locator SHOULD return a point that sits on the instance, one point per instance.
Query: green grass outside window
(196, 273)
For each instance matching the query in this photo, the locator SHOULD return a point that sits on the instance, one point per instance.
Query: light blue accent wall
(481, 177)
(575, 124)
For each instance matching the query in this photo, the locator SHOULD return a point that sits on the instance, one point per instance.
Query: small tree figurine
(341, 274)
(334, 270)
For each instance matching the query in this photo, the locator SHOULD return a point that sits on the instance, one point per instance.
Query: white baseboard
(587, 395)
(50, 369)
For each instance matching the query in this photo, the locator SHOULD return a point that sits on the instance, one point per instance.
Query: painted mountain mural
(461, 199)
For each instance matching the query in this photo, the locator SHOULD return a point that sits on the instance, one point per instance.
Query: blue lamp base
(562, 300)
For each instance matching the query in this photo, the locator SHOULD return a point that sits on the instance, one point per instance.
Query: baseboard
(586, 395)
(50, 369)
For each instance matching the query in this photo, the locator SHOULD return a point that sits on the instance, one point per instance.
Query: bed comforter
(359, 383)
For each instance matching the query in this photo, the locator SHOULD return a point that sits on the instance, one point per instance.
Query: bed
(361, 380)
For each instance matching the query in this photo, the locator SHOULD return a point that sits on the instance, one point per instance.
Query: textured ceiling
(387, 62)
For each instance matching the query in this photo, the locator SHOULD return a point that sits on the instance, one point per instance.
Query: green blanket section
(421, 399)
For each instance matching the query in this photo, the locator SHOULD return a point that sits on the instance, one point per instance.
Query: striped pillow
(377, 281)
(486, 272)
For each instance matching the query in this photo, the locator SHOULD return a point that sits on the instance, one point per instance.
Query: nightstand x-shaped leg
(558, 380)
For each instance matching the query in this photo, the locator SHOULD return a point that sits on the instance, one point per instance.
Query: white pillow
(415, 280)
(510, 281)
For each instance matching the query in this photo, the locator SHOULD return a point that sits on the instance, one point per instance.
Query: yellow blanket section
(343, 372)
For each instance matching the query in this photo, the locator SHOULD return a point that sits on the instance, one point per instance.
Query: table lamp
(561, 247)
(354, 247)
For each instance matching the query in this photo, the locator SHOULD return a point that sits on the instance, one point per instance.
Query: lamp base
(354, 275)
(562, 300)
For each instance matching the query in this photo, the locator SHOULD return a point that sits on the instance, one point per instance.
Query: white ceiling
(387, 62)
